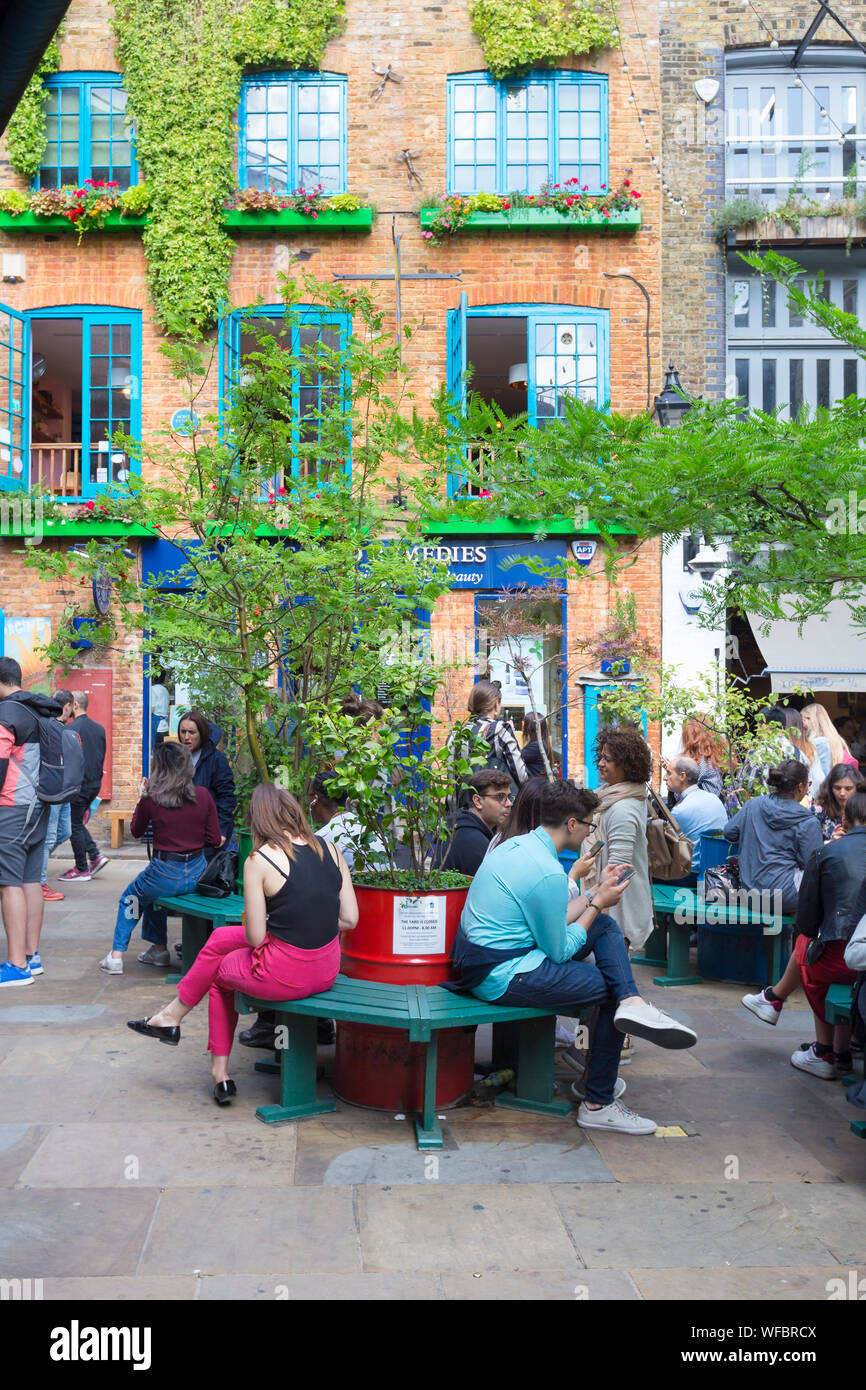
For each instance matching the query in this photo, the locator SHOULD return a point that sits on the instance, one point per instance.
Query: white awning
(826, 654)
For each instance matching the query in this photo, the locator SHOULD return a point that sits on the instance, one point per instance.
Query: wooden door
(96, 682)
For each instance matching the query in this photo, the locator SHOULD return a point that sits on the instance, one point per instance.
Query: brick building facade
(516, 274)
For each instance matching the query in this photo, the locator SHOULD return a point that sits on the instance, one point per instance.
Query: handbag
(722, 881)
(220, 877)
(669, 850)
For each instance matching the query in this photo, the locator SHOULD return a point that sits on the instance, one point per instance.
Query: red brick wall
(423, 44)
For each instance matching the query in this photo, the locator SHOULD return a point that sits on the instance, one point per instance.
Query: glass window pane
(569, 96)
(516, 150)
(768, 369)
(307, 99)
(308, 127)
(278, 96)
(256, 99)
(741, 290)
(122, 335)
(278, 125)
(464, 125)
(538, 124)
(120, 405)
(590, 151)
(545, 337)
(795, 386)
(99, 152)
(794, 318)
(569, 149)
(330, 96)
(68, 99)
(308, 152)
(515, 124)
(849, 296)
(485, 97)
(741, 371)
(485, 125)
(537, 97)
(69, 127)
(569, 124)
(100, 127)
(98, 404)
(822, 382)
(849, 376)
(590, 96)
(592, 174)
(99, 337)
(768, 303)
(515, 98)
(464, 178)
(537, 150)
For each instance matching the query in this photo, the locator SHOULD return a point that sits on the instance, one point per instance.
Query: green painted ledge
(517, 219)
(233, 220)
(506, 526)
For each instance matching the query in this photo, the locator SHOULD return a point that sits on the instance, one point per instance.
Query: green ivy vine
(25, 133)
(182, 62)
(538, 32)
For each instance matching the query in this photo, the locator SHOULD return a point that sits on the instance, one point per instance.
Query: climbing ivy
(25, 133)
(519, 36)
(291, 32)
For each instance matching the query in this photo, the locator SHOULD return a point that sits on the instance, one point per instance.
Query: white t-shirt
(344, 831)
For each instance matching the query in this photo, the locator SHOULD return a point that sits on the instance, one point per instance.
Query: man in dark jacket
(488, 798)
(23, 823)
(89, 859)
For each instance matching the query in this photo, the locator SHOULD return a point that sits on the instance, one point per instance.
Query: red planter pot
(405, 940)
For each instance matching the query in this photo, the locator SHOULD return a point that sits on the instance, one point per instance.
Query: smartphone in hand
(625, 876)
(596, 849)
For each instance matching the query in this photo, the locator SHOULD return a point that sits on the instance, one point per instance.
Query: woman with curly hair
(624, 764)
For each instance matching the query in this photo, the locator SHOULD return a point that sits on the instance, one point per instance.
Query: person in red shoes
(89, 858)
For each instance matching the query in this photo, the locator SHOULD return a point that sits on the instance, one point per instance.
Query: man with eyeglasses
(524, 940)
(487, 802)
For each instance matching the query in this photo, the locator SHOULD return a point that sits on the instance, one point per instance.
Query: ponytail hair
(787, 776)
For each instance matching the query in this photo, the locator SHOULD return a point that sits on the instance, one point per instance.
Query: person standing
(160, 708)
(503, 750)
(89, 858)
(59, 817)
(210, 769)
(23, 823)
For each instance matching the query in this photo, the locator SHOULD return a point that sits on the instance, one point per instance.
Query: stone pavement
(120, 1178)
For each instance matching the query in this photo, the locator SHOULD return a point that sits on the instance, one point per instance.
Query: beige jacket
(621, 825)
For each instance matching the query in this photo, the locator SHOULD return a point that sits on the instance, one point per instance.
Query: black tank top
(305, 912)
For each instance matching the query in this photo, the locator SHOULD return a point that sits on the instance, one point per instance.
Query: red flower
(625, 183)
(281, 492)
(272, 501)
(89, 506)
(604, 185)
(505, 207)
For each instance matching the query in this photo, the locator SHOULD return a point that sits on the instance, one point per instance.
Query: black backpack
(61, 761)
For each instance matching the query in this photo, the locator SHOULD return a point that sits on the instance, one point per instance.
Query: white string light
(633, 101)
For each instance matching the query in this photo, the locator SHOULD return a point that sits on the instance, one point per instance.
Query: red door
(96, 684)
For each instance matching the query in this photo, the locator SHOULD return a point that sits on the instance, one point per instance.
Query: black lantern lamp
(672, 405)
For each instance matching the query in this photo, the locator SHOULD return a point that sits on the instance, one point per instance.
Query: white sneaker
(564, 1036)
(616, 1118)
(762, 1008)
(646, 1021)
(578, 1088)
(155, 955)
(112, 964)
(807, 1059)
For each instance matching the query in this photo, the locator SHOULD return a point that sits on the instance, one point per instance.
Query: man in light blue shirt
(695, 810)
(522, 941)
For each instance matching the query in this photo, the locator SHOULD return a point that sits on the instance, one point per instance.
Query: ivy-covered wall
(519, 34)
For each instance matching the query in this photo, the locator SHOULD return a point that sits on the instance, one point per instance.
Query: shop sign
(483, 564)
(583, 551)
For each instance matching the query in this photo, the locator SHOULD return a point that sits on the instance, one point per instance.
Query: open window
(317, 380)
(527, 359)
(69, 380)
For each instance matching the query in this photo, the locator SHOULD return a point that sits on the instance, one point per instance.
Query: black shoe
(178, 950)
(259, 1035)
(166, 1035)
(326, 1033)
(223, 1092)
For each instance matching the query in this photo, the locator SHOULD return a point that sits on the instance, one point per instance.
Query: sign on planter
(419, 927)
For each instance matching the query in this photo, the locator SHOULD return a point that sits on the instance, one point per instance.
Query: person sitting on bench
(298, 897)
(486, 802)
(523, 942)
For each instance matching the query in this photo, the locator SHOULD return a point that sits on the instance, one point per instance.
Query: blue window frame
(293, 131)
(88, 132)
(312, 391)
(513, 136)
(567, 355)
(70, 378)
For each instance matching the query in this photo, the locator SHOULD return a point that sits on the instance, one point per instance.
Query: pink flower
(281, 492)
(89, 506)
(427, 235)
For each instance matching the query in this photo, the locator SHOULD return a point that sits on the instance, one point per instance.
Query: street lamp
(672, 404)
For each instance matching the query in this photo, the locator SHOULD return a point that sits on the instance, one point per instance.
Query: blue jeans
(566, 988)
(163, 878)
(59, 829)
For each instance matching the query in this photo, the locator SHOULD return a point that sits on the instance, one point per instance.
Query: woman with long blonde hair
(829, 743)
(298, 896)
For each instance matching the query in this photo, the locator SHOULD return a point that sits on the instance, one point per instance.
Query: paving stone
(754, 1152)
(121, 1290)
(472, 1229)
(731, 1224)
(18, 1144)
(48, 1099)
(837, 1214)
(42, 1054)
(235, 1230)
(325, 1288)
(73, 1232)
(158, 1155)
(765, 1285)
(470, 1163)
(587, 1285)
(51, 1013)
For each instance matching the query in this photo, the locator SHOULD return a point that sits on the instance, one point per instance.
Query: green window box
(233, 220)
(517, 219)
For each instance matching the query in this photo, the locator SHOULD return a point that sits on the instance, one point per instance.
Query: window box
(233, 220)
(288, 219)
(520, 219)
(32, 222)
(772, 231)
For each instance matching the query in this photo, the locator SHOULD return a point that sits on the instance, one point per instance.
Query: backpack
(484, 729)
(669, 851)
(61, 762)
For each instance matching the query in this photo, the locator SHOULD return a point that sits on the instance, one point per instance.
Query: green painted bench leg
(655, 946)
(195, 932)
(679, 967)
(535, 1057)
(427, 1132)
(858, 1127)
(297, 1076)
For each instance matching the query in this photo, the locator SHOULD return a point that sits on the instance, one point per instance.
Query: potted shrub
(619, 646)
